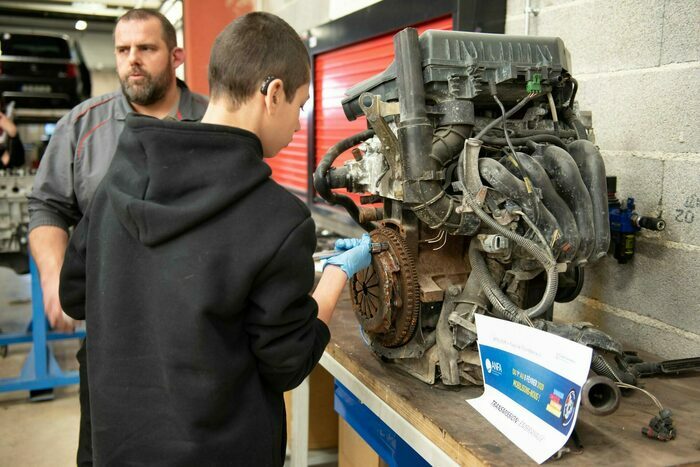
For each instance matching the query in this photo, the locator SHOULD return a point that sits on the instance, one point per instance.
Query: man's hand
(52, 307)
(48, 245)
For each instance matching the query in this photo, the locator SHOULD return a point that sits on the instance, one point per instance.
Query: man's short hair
(252, 48)
(144, 14)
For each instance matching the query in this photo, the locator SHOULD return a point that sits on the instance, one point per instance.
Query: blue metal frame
(391, 447)
(40, 369)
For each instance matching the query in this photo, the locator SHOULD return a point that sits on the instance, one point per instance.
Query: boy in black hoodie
(193, 270)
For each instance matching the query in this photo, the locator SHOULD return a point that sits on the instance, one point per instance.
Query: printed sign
(532, 384)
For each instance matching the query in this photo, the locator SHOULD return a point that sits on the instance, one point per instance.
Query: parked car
(42, 71)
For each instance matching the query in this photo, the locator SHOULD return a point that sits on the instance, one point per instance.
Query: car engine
(15, 185)
(479, 176)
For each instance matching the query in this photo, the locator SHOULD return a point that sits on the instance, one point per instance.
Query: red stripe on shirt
(92, 107)
(87, 135)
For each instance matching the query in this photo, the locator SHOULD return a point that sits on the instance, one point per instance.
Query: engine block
(480, 176)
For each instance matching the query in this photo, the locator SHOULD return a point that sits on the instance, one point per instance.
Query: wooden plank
(445, 418)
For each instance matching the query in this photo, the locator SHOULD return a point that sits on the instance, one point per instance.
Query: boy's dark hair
(144, 14)
(250, 49)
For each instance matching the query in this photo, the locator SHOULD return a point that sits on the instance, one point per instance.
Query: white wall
(638, 66)
(305, 14)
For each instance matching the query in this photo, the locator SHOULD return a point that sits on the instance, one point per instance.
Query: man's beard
(150, 89)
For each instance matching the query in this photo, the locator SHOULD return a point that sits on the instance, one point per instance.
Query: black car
(42, 71)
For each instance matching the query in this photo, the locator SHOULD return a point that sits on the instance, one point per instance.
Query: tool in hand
(375, 247)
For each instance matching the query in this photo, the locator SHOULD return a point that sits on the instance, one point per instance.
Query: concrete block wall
(638, 67)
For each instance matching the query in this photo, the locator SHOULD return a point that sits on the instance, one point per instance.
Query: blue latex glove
(347, 243)
(355, 259)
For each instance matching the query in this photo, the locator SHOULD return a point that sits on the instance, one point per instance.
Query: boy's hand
(355, 259)
(347, 243)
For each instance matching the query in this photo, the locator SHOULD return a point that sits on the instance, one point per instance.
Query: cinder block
(681, 200)
(604, 35)
(632, 334)
(645, 110)
(515, 26)
(659, 282)
(517, 7)
(637, 177)
(681, 39)
(514, 8)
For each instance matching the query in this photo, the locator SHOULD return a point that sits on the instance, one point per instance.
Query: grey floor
(46, 433)
(33, 433)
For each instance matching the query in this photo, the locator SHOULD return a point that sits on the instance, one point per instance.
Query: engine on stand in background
(15, 185)
(478, 173)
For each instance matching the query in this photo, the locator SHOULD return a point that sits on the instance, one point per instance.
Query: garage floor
(46, 433)
(34, 433)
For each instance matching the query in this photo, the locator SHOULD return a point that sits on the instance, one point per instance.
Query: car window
(34, 46)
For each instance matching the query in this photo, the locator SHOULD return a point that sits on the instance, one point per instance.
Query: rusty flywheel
(385, 296)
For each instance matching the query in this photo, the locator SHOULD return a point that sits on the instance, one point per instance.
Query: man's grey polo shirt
(80, 152)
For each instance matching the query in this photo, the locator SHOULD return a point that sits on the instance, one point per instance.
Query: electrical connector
(534, 84)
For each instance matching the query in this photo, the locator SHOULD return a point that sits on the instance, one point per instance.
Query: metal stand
(40, 370)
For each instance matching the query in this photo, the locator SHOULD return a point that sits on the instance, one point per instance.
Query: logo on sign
(569, 406)
(493, 367)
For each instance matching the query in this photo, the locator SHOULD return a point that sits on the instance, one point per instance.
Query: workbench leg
(300, 425)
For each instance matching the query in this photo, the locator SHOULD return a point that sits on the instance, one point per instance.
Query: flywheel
(385, 296)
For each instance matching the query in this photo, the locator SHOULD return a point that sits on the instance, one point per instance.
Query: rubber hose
(601, 367)
(573, 92)
(531, 247)
(544, 257)
(321, 181)
(502, 301)
(448, 141)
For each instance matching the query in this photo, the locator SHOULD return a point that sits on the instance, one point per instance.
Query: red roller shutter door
(340, 69)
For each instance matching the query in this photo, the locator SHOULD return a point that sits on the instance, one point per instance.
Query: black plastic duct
(505, 182)
(422, 170)
(553, 202)
(564, 174)
(590, 164)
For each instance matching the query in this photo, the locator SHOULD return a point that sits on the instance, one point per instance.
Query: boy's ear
(275, 95)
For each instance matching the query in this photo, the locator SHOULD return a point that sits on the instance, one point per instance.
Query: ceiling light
(80, 25)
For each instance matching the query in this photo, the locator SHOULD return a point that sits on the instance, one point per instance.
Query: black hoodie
(193, 270)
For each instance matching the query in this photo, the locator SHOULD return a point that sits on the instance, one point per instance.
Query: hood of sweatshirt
(168, 177)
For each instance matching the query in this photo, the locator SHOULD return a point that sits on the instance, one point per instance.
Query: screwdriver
(374, 247)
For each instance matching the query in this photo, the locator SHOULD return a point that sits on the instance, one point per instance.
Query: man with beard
(81, 150)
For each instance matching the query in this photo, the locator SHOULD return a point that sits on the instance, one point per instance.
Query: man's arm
(48, 245)
(52, 209)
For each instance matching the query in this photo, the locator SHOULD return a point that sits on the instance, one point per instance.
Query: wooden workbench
(455, 428)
